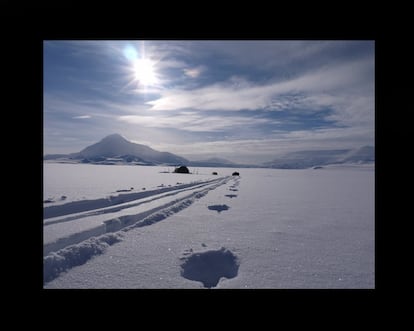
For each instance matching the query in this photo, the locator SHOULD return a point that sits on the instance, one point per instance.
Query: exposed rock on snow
(182, 170)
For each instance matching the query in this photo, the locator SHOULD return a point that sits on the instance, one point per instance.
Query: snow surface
(268, 228)
(87, 181)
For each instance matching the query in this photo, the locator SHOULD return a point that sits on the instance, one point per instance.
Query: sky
(244, 100)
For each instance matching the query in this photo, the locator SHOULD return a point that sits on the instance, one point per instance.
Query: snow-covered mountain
(361, 155)
(308, 159)
(115, 148)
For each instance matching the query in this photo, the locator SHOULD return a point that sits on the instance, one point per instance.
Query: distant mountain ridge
(213, 162)
(363, 154)
(116, 149)
(308, 159)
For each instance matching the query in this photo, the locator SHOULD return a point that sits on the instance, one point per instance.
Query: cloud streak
(217, 95)
(193, 122)
(81, 117)
(340, 87)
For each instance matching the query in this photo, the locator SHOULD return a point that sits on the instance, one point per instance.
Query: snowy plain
(267, 228)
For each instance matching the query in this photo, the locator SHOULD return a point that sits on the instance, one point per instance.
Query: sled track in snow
(91, 205)
(61, 232)
(76, 248)
(119, 202)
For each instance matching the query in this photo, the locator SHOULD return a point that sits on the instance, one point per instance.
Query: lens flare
(130, 52)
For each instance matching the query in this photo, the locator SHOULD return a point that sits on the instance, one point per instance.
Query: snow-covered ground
(87, 181)
(268, 228)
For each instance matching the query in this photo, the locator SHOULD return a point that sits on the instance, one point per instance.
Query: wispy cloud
(82, 117)
(243, 94)
(341, 88)
(193, 122)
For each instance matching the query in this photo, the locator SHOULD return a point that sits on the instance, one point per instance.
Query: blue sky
(248, 101)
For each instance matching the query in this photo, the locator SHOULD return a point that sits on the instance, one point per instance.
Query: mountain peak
(114, 137)
(115, 145)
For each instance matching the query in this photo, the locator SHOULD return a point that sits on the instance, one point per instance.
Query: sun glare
(144, 71)
(141, 67)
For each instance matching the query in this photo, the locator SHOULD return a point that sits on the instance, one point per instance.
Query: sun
(144, 70)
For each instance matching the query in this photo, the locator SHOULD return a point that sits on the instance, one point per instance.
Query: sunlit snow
(145, 227)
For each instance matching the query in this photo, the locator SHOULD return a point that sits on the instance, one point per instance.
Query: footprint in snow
(218, 208)
(210, 266)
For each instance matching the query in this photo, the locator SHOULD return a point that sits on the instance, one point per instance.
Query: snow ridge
(174, 207)
(123, 202)
(57, 262)
(76, 254)
(87, 227)
(86, 205)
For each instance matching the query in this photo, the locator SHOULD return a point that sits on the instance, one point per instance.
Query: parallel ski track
(126, 205)
(128, 221)
(87, 205)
